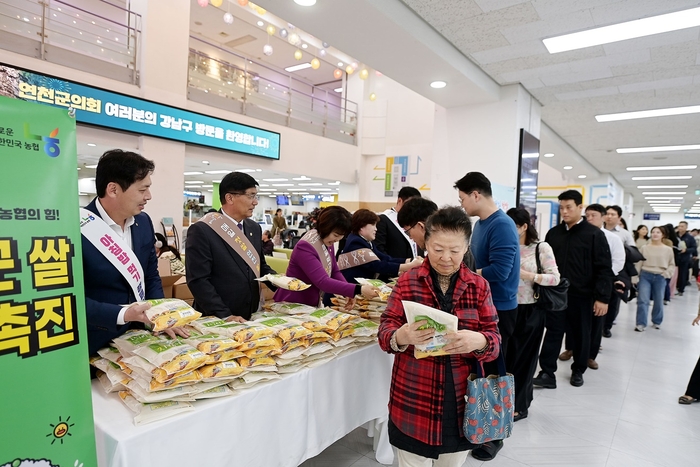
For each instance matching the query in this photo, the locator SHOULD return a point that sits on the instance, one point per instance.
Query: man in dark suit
(221, 281)
(123, 181)
(391, 238)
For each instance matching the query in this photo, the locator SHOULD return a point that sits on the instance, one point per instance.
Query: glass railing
(62, 33)
(250, 88)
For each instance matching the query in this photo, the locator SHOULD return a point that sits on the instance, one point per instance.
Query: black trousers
(576, 320)
(597, 323)
(506, 327)
(522, 352)
(613, 310)
(683, 274)
(693, 389)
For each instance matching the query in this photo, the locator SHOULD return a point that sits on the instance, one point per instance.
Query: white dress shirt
(624, 235)
(617, 251)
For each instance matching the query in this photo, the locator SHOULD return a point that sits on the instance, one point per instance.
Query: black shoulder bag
(550, 297)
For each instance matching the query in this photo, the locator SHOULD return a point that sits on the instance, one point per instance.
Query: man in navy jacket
(123, 181)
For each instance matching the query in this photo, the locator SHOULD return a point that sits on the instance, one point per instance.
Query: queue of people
(486, 274)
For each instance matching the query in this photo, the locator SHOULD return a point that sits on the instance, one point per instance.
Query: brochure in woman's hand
(442, 322)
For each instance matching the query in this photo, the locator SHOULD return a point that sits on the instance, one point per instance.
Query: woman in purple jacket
(313, 261)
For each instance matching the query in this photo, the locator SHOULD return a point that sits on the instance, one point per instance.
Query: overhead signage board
(652, 216)
(108, 109)
(692, 215)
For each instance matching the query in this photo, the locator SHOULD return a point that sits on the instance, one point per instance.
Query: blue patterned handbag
(488, 413)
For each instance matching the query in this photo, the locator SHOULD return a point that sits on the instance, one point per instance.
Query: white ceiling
(424, 40)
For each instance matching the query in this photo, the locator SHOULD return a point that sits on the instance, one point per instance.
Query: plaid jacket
(418, 386)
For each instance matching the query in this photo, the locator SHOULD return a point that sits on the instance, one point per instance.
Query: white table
(280, 423)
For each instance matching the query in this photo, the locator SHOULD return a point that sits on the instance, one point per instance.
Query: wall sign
(652, 216)
(108, 109)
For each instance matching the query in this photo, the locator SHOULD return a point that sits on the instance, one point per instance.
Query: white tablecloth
(280, 423)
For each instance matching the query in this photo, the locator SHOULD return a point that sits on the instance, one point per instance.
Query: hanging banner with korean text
(45, 402)
(109, 109)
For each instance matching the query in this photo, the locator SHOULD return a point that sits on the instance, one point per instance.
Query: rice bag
(343, 333)
(147, 413)
(224, 356)
(384, 290)
(286, 329)
(166, 313)
(180, 380)
(211, 342)
(245, 332)
(246, 362)
(132, 339)
(269, 341)
(285, 282)
(442, 322)
(364, 328)
(221, 390)
(110, 353)
(171, 356)
(181, 393)
(292, 308)
(331, 319)
(108, 385)
(221, 370)
(261, 352)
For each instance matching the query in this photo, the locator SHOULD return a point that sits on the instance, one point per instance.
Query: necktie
(240, 226)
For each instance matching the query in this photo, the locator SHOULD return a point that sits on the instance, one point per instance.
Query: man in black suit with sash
(219, 276)
(391, 238)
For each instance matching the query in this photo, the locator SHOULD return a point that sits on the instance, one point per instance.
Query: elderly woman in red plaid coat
(426, 404)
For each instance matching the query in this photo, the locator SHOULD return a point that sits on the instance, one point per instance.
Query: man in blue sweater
(496, 250)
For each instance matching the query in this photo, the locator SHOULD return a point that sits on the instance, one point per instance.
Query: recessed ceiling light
(582, 176)
(305, 2)
(663, 167)
(91, 166)
(438, 84)
(304, 46)
(340, 63)
(303, 177)
(296, 189)
(267, 189)
(693, 109)
(282, 184)
(193, 182)
(245, 170)
(261, 24)
(192, 173)
(664, 192)
(623, 31)
(92, 145)
(549, 154)
(213, 172)
(78, 168)
(301, 66)
(208, 186)
(338, 89)
(663, 197)
(310, 184)
(567, 167)
(686, 147)
(276, 179)
(335, 183)
(641, 187)
(258, 170)
(205, 162)
(665, 177)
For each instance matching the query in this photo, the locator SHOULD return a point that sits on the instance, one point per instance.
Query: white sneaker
(656, 326)
(639, 328)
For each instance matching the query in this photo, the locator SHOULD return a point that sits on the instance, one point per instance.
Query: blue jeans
(650, 286)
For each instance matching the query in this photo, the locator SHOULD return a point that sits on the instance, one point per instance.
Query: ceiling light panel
(685, 147)
(666, 177)
(624, 31)
(642, 187)
(192, 173)
(663, 167)
(301, 66)
(693, 109)
(664, 192)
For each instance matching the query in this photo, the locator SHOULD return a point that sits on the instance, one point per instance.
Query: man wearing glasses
(224, 253)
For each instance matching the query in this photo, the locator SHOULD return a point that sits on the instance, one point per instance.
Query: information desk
(279, 423)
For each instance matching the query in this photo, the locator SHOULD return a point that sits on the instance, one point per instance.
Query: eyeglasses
(250, 196)
(408, 230)
(468, 195)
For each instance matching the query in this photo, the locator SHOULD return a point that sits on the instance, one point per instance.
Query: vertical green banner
(45, 400)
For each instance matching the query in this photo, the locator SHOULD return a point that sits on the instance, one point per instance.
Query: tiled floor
(626, 414)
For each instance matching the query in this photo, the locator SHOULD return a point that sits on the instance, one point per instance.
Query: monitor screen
(528, 161)
(282, 200)
(297, 200)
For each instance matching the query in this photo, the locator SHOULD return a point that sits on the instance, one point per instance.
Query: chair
(278, 264)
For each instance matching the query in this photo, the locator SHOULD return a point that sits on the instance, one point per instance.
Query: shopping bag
(488, 413)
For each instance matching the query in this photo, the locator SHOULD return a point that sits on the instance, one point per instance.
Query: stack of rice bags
(367, 308)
